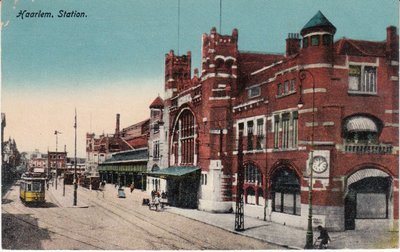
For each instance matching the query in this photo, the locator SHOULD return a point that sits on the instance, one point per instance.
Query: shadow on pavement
(41, 205)
(21, 231)
(6, 201)
(257, 226)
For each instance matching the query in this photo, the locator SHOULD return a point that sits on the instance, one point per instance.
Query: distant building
(80, 165)
(122, 157)
(98, 149)
(56, 162)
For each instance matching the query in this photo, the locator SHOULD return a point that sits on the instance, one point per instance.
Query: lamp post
(56, 132)
(309, 236)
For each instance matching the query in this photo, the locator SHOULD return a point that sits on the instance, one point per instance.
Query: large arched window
(183, 141)
(286, 192)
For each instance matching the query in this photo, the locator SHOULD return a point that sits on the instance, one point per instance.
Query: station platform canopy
(174, 171)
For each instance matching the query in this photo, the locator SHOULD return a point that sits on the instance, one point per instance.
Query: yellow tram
(32, 188)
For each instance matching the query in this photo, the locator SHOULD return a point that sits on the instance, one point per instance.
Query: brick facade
(330, 101)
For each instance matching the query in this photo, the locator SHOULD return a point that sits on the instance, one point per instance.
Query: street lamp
(309, 236)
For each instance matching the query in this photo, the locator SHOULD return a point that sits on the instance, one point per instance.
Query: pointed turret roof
(157, 103)
(319, 20)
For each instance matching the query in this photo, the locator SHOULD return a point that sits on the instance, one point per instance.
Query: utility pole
(239, 215)
(75, 177)
(56, 132)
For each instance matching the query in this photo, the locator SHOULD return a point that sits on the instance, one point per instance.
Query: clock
(320, 164)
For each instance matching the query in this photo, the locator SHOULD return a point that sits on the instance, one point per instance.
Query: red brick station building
(333, 101)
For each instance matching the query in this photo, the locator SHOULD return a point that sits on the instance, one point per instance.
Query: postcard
(199, 125)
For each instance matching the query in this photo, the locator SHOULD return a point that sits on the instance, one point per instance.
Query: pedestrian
(156, 202)
(324, 237)
(47, 185)
(153, 194)
(132, 187)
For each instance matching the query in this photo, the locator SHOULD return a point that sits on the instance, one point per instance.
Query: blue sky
(112, 61)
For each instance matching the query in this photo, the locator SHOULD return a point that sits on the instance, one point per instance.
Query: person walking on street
(157, 202)
(132, 187)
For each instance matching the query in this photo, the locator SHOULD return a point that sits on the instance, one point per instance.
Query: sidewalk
(291, 237)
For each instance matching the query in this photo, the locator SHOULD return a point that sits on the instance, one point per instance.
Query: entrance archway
(285, 188)
(367, 196)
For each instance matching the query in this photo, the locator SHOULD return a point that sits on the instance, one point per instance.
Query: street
(107, 222)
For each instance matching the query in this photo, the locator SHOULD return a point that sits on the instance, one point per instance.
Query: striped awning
(361, 123)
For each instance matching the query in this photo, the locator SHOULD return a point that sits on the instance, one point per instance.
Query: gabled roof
(138, 142)
(318, 20)
(157, 103)
(360, 47)
(128, 156)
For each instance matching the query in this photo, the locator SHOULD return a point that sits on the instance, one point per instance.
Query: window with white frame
(286, 130)
(252, 174)
(254, 92)
(156, 149)
(260, 133)
(362, 79)
(276, 131)
(183, 140)
(288, 87)
(250, 135)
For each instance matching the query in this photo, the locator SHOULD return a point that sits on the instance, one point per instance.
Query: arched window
(183, 141)
(286, 192)
(252, 174)
(260, 196)
(250, 196)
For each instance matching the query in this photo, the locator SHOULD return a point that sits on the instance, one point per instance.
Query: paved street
(103, 221)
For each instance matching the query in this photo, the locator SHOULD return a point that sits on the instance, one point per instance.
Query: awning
(176, 171)
(360, 123)
(137, 168)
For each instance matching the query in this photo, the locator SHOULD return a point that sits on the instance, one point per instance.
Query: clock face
(320, 164)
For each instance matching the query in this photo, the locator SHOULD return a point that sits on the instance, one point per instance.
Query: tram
(32, 188)
(89, 182)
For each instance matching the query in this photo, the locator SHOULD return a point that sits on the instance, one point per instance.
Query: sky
(112, 60)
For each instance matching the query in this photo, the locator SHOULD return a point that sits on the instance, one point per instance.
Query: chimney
(117, 127)
(292, 44)
(392, 43)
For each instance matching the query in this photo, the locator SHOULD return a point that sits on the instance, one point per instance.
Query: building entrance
(367, 198)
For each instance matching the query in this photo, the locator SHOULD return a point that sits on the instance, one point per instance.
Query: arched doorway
(367, 196)
(285, 189)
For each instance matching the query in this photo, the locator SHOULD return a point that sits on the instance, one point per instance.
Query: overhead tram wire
(220, 16)
(179, 20)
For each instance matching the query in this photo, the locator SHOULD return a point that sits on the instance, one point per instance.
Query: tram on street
(32, 188)
(89, 182)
